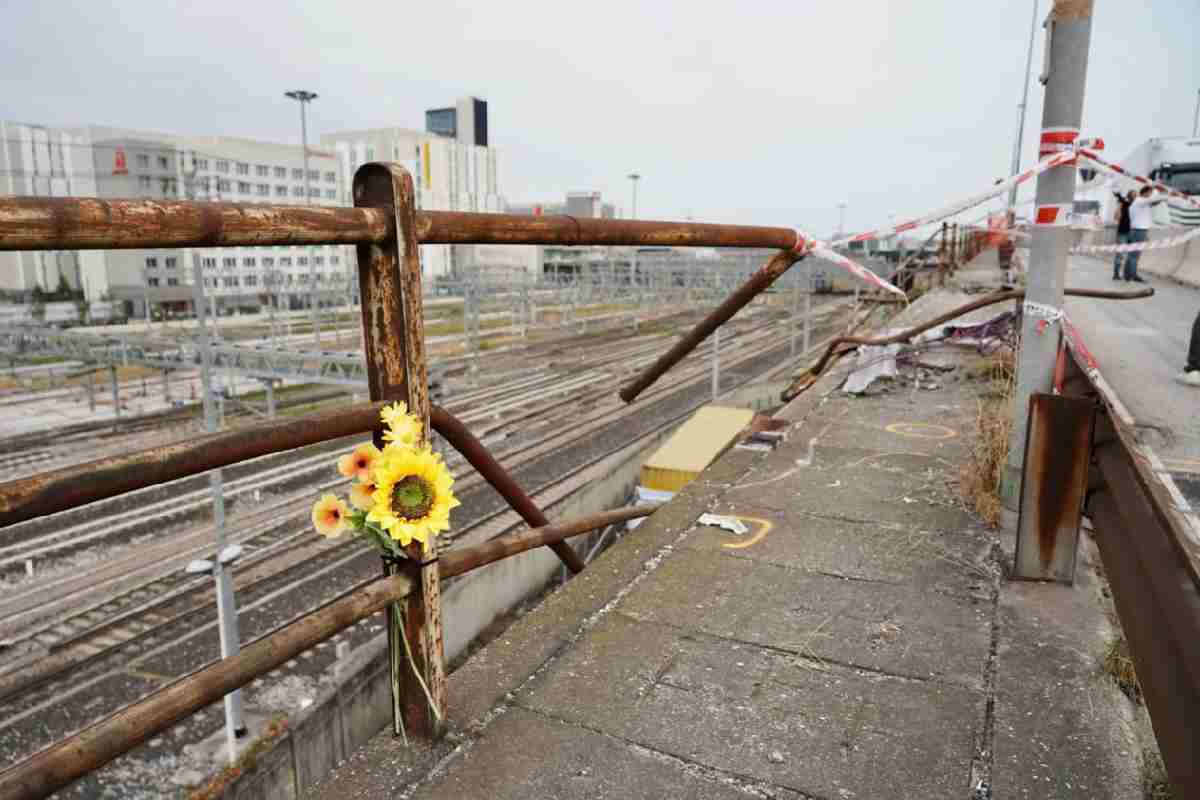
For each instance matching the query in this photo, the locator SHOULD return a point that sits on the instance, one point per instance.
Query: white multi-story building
(453, 168)
(96, 161)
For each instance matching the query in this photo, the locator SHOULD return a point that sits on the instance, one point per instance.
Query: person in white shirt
(1141, 219)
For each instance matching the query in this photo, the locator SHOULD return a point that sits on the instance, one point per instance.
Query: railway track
(81, 651)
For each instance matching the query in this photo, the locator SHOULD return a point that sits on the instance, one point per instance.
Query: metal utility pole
(634, 177)
(1016, 158)
(227, 622)
(841, 231)
(1069, 31)
(304, 97)
(1196, 117)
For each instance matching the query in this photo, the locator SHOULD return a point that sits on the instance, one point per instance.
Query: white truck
(1173, 160)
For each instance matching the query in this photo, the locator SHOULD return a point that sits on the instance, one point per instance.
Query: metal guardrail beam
(81, 223)
(1150, 546)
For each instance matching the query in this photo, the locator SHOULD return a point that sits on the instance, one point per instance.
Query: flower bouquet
(402, 493)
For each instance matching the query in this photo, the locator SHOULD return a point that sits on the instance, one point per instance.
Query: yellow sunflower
(413, 496)
(360, 496)
(403, 428)
(358, 464)
(329, 516)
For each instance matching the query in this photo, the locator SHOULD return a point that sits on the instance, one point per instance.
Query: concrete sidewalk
(859, 642)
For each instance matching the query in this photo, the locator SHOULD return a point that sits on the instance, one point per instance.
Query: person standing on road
(1123, 204)
(1191, 372)
(1141, 219)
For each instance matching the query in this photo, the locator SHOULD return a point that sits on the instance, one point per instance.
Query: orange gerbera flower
(329, 516)
(358, 464)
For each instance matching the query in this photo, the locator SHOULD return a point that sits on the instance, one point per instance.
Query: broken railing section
(61, 764)
(842, 345)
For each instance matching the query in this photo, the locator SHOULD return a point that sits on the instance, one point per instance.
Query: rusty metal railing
(386, 227)
(1149, 542)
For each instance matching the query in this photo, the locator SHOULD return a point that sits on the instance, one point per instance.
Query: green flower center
(412, 498)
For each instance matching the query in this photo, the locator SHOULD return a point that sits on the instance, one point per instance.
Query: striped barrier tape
(1055, 160)
(810, 245)
(1117, 169)
(1158, 244)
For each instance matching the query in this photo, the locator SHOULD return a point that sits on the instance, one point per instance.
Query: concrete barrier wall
(1181, 264)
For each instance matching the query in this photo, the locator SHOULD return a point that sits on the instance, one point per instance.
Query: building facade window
(202, 184)
(208, 263)
(297, 174)
(331, 177)
(243, 187)
(314, 192)
(163, 163)
(314, 174)
(268, 261)
(335, 260)
(248, 262)
(228, 262)
(262, 170)
(298, 191)
(172, 281)
(201, 163)
(281, 172)
(144, 183)
(223, 166)
(243, 169)
(223, 185)
(151, 263)
(302, 261)
(331, 194)
(252, 280)
(152, 281)
(143, 161)
(285, 261)
(281, 191)
(168, 187)
(172, 262)
(230, 282)
(319, 261)
(264, 189)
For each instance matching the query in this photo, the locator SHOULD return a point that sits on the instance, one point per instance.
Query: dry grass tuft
(980, 479)
(1119, 667)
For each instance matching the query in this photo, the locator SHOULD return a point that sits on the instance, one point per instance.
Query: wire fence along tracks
(387, 228)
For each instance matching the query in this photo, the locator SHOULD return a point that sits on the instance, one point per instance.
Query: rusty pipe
(485, 464)
(85, 223)
(79, 484)
(753, 286)
(456, 562)
(988, 300)
(57, 766)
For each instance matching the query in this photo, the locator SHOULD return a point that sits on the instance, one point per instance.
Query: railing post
(389, 276)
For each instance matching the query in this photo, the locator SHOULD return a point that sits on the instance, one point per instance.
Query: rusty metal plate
(1058, 449)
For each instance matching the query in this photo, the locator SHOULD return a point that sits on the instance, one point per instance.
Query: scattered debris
(775, 757)
(731, 524)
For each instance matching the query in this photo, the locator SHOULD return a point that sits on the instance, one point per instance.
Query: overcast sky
(755, 112)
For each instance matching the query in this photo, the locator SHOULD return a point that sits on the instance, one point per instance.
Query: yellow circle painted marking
(921, 430)
(764, 527)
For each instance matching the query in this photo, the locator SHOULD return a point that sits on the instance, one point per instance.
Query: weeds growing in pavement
(980, 478)
(1155, 784)
(1119, 667)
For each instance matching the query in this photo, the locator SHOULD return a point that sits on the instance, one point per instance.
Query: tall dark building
(467, 121)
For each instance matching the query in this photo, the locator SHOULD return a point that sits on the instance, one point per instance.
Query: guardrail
(1149, 542)
(386, 227)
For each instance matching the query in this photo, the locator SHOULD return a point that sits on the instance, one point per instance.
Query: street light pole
(227, 621)
(1016, 158)
(1196, 118)
(841, 231)
(634, 178)
(304, 97)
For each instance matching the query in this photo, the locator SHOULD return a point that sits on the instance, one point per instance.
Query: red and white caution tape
(1157, 244)
(954, 209)
(809, 245)
(1117, 169)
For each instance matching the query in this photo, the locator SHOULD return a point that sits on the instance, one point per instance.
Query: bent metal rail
(387, 229)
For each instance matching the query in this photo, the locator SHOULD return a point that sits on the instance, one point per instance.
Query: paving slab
(808, 727)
